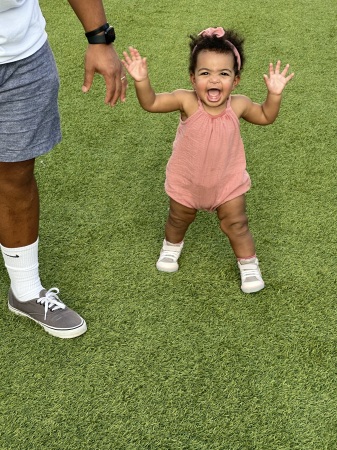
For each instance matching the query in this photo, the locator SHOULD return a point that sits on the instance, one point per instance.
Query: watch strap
(100, 39)
(97, 30)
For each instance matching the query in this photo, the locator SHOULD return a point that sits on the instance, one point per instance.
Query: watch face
(110, 35)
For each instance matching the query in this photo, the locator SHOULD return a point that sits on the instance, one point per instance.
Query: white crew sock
(23, 269)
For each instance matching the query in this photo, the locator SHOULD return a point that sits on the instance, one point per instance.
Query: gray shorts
(29, 116)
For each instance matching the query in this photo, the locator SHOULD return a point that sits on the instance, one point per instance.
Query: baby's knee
(235, 226)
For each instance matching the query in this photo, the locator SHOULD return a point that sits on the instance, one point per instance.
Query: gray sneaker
(51, 313)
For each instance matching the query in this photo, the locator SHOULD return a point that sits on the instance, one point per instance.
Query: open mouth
(214, 95)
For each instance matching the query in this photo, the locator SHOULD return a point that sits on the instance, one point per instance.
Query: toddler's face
(214, 79)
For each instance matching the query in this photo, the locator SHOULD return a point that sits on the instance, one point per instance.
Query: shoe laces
(250, 272)
(51, 301)
(169, 255)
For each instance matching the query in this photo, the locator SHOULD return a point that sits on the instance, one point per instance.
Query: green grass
(183, 361)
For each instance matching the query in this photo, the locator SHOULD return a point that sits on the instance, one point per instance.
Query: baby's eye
(225, 74)
(204, 73)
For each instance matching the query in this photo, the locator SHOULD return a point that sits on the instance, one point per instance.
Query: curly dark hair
(216, 44)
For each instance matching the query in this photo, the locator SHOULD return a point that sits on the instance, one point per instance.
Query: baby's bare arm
(267, 112)
(136, 66)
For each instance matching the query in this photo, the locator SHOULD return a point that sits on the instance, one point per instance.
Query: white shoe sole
(63, 334)
(252, 289)
(166, 269)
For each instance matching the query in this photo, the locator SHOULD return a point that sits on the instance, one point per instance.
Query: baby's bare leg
(179, 219)
(234, 223)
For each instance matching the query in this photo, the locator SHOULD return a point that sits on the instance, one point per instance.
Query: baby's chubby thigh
(181, 211)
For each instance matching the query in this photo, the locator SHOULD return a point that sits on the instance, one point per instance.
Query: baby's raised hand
(135, 64)
(277, 80)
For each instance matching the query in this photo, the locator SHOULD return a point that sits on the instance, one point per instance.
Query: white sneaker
(251, 279)
(168, 258)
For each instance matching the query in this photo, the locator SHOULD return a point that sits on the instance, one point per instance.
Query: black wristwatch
(106, 38)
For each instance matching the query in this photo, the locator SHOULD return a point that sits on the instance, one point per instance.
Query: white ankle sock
(250, 259)
(179, 244)
(23, 269)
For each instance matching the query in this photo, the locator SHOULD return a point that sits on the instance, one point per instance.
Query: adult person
(30, 127)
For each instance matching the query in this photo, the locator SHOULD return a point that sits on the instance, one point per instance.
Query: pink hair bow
(219, 32)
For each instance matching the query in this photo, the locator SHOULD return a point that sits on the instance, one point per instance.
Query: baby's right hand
(135, 64)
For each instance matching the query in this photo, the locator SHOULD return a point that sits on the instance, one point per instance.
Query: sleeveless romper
(208, 165)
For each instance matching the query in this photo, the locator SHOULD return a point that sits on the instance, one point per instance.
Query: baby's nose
(214, 79)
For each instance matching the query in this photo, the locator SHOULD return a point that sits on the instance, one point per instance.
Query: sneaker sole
(252, 289)
(169, 270)
(63, 334)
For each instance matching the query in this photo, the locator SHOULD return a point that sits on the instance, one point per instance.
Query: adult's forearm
(90, 13)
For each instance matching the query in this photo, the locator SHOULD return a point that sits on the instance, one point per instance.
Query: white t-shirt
(22, 29)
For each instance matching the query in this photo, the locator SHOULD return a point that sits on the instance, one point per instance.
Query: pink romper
(208, 165)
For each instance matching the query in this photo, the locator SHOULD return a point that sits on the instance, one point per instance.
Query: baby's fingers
(134, 53)
(271, 69)
(289, 77)
(285, 70)
(127, 59)
(277, 67)
(284, 73)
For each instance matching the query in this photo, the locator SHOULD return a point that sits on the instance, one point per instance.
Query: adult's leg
(19, 204)
(19, 225)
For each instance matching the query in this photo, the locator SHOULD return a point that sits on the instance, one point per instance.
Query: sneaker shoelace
(250, 274)
(51, 301)
(169, 255)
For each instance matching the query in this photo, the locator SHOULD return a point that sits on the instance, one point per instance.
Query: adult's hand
(103, 59)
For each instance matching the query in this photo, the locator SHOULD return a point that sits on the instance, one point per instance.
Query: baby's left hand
(276, 81)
